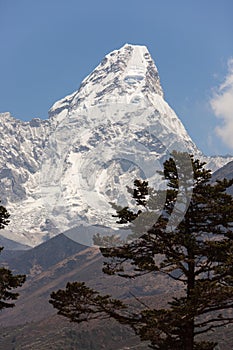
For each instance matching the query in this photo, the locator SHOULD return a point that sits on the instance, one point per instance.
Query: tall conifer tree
(197, 253)
(8, 281)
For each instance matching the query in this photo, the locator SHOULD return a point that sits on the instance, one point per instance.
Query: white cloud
(222, 106)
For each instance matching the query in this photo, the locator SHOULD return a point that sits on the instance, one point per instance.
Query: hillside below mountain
(33, 324)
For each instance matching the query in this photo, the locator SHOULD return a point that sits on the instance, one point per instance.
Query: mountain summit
(63, 172)
(126, 76)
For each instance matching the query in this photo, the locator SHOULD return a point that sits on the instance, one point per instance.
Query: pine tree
(8, 281)
(195, 249)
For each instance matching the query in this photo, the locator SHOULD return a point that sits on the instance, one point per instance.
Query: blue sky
(47, 47)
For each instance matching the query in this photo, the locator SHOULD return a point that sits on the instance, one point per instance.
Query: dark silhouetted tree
(8, 281)
(193, 246)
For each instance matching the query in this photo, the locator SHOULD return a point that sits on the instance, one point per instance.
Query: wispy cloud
(222, 106)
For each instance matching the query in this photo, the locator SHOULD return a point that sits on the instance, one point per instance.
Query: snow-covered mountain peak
(62, 172)
(127, 75)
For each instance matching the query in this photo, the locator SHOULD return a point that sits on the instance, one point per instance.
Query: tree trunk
(189, 329)
(189, 336)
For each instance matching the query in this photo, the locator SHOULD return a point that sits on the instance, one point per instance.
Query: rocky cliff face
(62, 172)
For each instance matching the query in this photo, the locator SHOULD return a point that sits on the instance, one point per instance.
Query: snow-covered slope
(64, 171)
